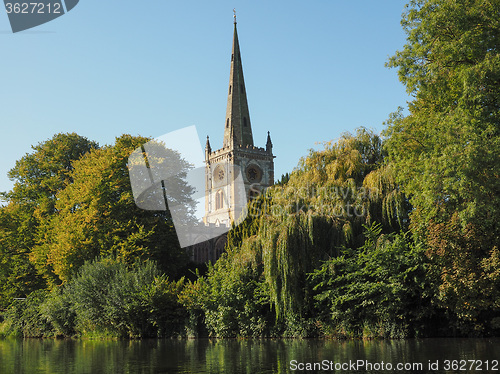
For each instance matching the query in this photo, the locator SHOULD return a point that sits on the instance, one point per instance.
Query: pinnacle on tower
(269, 144)
(238, 130)
(208, 149)
(207, 145)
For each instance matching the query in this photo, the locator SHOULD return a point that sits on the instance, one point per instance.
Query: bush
(25, 319)
(105, 299)
(110, 299)
(380, 290)
(231, 300)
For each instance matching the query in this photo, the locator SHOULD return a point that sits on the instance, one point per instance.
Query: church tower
(238, 157)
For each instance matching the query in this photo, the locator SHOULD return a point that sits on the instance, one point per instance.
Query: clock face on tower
(219, 173)
(254, 174)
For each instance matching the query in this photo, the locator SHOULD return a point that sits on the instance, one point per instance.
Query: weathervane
(234, 11)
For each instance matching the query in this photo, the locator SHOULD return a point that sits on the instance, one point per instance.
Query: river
(250, 356)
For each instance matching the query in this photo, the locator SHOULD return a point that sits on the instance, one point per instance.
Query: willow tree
(323, 208)
(294, 226)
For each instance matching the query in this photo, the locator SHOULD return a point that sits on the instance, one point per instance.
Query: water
(246, 356)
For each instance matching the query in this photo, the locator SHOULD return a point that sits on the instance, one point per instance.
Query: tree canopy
(447, 150)
(38, 178)
(98, 217)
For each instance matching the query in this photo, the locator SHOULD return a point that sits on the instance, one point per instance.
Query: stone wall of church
(209, 250)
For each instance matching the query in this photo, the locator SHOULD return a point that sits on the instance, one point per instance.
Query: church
(238, 159)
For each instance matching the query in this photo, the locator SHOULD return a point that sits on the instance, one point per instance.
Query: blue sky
(312, 71)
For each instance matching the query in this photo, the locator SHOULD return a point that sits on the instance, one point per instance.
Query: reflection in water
(229, 356)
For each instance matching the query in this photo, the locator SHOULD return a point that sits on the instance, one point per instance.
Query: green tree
(38, 177)
(382, 289)
(111, 299)
(105, 299)
(18, 276)
(232, 298)
(446, 151)
(323, 208)
(97, 216)
(291, 228)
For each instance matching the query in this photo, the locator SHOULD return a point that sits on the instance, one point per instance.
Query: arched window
(227, 123)
(244, 121)
(229, 89)
(219, 200)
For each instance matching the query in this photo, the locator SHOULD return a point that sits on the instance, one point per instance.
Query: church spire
(238, 130)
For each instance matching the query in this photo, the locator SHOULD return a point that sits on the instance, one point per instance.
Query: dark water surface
(249, 356)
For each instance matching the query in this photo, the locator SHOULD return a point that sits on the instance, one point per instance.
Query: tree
(105, 299)
(18, 276)
(38, 177)
(97, 216)
(322, 209)
(290, 229)
(447, 150)
(382, 289)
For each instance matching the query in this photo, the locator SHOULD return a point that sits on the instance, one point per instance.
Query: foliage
(38, 177)
(106, 299)
(66, 209)
(384, 289)
(322, 208)
(446, 152)
(260, 287)
(231, 297)
(283, 180)
(350, 180)
(24, 317)
(97, 216)
(469, 280)
(18, 276)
